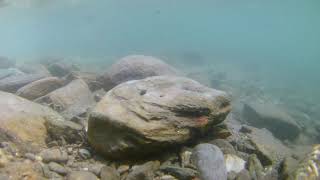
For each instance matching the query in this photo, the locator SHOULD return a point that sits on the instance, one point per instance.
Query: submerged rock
(269, 150)
(39, 88)
(22, 170)
(273, 118)
(145, 116)
(234, 163)
(89, 77)
(255, 167)
(210, 162)
(144, 171)
(180, 173)
(109, 173)
(309, 168)
(81, 175)
(54, 155)
(13, 83)
(29, 125)
(61, 69)
(71, 100)
(134, 67)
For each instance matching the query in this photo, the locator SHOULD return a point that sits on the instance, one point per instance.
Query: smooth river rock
(210, 162)
(13, 83)
(141, 117)
(29, 125)
(134, 67)
(40, 88)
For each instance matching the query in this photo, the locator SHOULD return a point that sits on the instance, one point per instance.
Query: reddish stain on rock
(202, 121)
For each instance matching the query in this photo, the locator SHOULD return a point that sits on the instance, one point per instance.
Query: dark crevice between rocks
(189, 111)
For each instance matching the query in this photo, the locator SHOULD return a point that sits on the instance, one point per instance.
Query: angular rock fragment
(268, 116)
(71, 100)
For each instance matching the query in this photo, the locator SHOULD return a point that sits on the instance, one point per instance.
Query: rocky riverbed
(141, 119)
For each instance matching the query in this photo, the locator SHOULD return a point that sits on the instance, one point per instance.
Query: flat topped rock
(273, 118)
(29, 125)
(145, 116)
(135, 67)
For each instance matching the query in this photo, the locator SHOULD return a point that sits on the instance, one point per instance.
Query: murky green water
(261, 47)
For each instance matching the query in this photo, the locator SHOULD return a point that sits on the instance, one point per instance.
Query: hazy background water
(274, 44)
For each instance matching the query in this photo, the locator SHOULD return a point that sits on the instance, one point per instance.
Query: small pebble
(54, 155)
(84, 153)
(109, 173)
(123, 168)
(55, 167)
(30, 156)
(81, 175)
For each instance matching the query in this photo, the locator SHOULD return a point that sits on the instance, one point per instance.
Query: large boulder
(39, 88)
(273, 118)
(71, 100)
(210, 162)
(134, 67)
(13, 83)
(29, 125)
(145, 116)
(6, 63)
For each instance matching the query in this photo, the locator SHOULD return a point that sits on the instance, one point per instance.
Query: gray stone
(54, 155)
(134, 67)
(81, 175)
(209, 161)
(243, 175)
(61, 69)
(123, 169)
(13, 83)
(39, 88)
(145, 116)
(224, 146)
(71, 100)
(273, 118)
(84, 154)
(109, 173)
(89, 77)
(255, 167)
(180, 173)
(95, 168)
(144, 172)
(55, 167)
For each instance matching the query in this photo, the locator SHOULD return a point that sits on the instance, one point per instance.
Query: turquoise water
(274, 45)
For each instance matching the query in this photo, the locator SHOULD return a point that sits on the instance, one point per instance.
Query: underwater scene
(160, 90)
